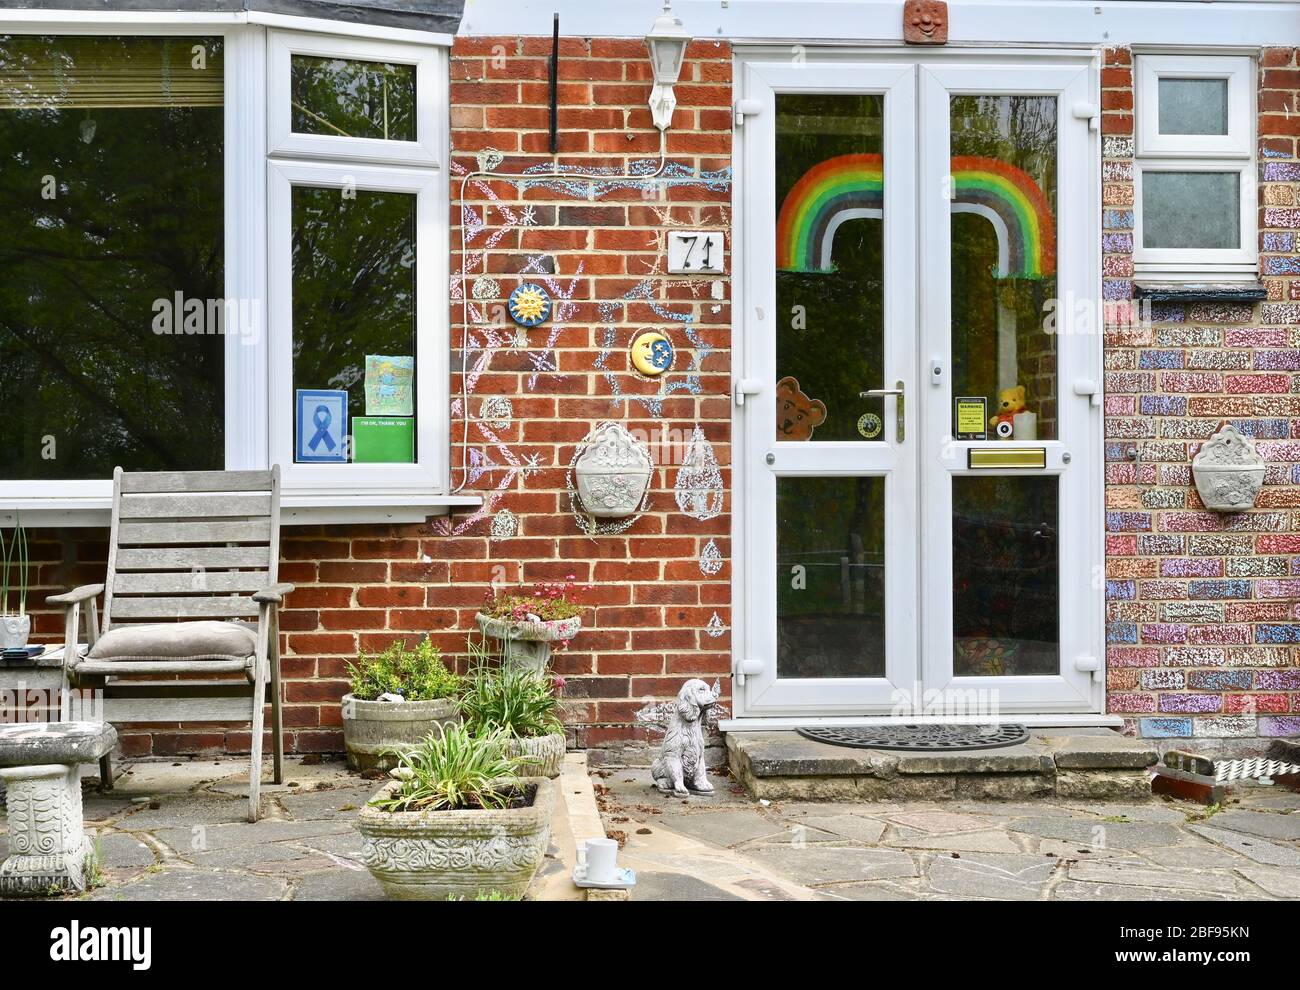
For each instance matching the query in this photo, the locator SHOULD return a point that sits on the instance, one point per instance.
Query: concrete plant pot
(14, 630)
(372, 727)
(528, 644)
(547, 749)
(428, 855)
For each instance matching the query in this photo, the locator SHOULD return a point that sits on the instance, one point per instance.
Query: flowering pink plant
(550, 601)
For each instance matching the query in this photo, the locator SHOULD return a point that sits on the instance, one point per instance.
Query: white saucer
(626, 879)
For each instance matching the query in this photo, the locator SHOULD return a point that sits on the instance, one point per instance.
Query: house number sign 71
(694, 252)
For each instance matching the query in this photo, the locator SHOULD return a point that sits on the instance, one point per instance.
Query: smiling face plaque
(925, 22)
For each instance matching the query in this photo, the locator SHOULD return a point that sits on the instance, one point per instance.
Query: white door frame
(1077, 696)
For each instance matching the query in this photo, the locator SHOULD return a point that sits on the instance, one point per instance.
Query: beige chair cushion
(202, 640)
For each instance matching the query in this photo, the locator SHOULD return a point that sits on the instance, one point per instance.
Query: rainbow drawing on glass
(850, 187)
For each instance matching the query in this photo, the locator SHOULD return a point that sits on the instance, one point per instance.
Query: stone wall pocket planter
(428, 855)
(528, 643)
(370, 728)
(1228, 471)
(612, 472)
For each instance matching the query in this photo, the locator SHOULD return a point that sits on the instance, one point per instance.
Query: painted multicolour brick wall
(1202, 613)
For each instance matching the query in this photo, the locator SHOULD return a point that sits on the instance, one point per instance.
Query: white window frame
(332, 493)
(428, 473)
(429, 146)
(1231, 152)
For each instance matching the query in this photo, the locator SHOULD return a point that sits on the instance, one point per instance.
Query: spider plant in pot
(396, 699)
(459, 818)
(524, 703)
(15, 627)
(527, 624)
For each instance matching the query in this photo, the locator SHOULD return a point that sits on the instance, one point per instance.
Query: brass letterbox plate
(1006, 457)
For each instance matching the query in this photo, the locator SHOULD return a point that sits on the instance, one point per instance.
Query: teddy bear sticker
(796, 414)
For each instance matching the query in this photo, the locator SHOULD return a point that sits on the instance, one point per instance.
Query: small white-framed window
(358, 350)
(354, 98)
(1194, 181)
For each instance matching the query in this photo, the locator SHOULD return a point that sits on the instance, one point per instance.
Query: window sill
(295, 510)
(1242, 290)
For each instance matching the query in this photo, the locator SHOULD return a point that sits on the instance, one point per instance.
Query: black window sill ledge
(1246, 291)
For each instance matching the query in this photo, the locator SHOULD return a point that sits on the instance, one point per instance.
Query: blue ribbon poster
(322, 427)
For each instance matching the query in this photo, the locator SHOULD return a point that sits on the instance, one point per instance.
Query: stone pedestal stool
(48, 848)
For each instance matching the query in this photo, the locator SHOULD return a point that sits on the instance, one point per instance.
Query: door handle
(897, 392)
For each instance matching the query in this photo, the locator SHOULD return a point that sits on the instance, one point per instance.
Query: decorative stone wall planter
(427, 855)
(371, 727)
(14, 630)
(528, 644)
(1228, 471)
(612, 472)
(548, 750)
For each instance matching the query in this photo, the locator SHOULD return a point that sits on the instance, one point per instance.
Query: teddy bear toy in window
(1010, 402)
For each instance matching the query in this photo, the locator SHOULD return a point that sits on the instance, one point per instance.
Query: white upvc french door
(831, 506)
(1025, 115)
(914, 232)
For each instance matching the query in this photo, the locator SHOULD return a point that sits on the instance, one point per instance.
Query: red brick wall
(1202, 610)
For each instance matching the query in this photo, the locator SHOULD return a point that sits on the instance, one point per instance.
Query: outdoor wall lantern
(667, 42)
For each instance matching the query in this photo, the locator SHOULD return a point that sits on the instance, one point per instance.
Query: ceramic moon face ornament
(651, 353)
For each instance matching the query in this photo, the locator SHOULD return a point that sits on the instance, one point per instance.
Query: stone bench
(48, 848)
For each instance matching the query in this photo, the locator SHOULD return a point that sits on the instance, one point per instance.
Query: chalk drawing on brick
(504, 525)
(698, 490)
(715, 627)
(710, 559)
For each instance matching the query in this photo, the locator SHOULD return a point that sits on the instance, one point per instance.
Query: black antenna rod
(555, 84)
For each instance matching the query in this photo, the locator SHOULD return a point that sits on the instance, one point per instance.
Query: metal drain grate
(923, 738)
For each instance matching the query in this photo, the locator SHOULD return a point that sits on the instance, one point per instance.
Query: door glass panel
(830, 577)
(829, 302)
(1006, 592)
(1003, 294)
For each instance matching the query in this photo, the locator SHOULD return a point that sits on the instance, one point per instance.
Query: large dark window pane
(111, 281)
(353, 287)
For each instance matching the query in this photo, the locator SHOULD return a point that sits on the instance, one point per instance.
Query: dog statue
(681, 760)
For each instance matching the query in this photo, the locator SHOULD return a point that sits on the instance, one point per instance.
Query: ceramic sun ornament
(1228, 471)
(612, 472)
(529, 305)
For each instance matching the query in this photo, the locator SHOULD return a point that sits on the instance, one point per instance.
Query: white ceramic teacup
(600, 857)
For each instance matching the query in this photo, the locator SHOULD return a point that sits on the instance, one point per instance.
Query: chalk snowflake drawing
(504, 525)
(485, 226)
(715, 626)
(669, 384)
(497, 411)
(698, 490)
(710, 559)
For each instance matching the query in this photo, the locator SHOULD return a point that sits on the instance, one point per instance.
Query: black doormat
(920, 738)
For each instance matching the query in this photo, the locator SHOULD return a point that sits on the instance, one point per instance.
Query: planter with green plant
(15, 626)
(458, 820)
(527, 625)
(523, 702)
(397, 698)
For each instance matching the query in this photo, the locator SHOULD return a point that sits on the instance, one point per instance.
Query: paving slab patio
(176, 831)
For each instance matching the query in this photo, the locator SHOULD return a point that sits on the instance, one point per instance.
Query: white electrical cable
(464, 271)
